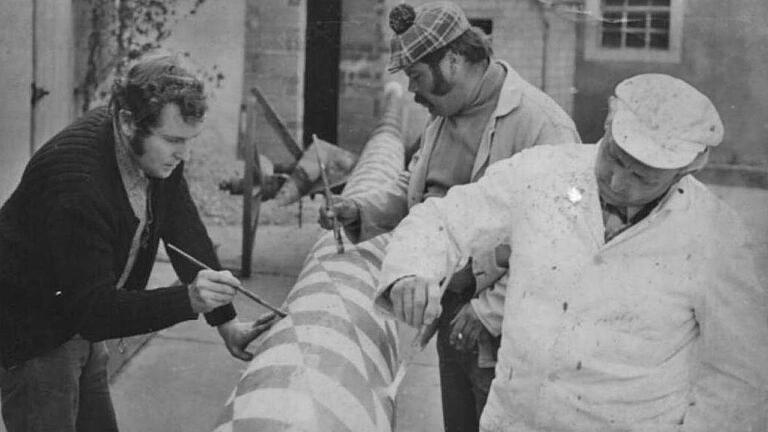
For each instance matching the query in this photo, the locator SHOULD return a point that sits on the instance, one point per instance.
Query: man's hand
(465, 329)
(415, 300)
(211, 289)
(344, 209)
(237, 335)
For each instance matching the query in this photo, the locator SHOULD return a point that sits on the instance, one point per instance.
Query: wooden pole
(251, 203)
(278, 124)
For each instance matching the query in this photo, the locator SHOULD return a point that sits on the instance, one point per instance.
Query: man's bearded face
(429, 84)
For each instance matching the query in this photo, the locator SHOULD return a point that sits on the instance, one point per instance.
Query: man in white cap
(632, 302)
(482, 112)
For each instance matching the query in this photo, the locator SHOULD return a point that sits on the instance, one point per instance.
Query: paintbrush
(329, 198)
(243, 291)
(421, 340)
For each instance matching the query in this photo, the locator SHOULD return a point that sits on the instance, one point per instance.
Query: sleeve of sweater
(78, 237)
(184, 229)
(381, 209)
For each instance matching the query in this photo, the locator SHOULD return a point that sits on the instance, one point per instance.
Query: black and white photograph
(384, 216)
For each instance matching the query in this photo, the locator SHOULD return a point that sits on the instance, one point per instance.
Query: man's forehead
(171, 123)
(635, 163)
(171, 113)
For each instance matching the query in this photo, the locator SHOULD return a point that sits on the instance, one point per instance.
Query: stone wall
(274, 61)
(363, 57)
(15, 113)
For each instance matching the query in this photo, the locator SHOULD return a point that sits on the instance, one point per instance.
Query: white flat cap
(663, 121)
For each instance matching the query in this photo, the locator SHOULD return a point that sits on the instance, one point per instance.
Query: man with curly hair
(78, 238)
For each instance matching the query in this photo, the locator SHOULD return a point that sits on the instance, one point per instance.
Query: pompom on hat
(424, 30)
(663, 121)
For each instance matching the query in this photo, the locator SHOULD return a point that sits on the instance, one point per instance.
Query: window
(634, 30)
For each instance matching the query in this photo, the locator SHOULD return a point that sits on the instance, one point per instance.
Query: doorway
(321, 82)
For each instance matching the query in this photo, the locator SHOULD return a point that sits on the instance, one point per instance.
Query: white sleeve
(730, 386)
(439, 235)
(381, 209)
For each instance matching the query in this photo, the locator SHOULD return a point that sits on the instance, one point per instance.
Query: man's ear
(697, 164)
(453, 60)
(126, 123)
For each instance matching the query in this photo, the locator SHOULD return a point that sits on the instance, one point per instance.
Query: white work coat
(664, 328)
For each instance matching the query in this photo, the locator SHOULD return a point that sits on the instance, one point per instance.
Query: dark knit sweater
(65, 235)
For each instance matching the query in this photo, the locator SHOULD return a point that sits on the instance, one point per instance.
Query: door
(321, 82)
(15, 109)
(53, 84)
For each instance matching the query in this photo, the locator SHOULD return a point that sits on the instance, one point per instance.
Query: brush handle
(243, 291)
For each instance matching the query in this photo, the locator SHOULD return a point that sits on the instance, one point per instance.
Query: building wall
(214, 38)
(54, 68)
(363, 57)
(37, 39)
(274, 61)
(724, 54)
(519, 39)
(15, 111)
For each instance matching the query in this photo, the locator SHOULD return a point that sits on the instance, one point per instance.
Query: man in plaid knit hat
(481, 111)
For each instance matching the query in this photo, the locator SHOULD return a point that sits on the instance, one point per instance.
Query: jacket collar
(509, 99)
(677, 199)
(511, 91)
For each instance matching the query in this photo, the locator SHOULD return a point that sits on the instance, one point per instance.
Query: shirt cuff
(221, 315)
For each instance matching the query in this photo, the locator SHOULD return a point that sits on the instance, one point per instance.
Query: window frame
(594, 51)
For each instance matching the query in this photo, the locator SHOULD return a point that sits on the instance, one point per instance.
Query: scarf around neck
(457, 142)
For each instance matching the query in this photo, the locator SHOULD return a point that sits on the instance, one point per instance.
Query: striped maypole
(328, 364)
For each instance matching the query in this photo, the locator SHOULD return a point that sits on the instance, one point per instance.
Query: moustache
(419, 99)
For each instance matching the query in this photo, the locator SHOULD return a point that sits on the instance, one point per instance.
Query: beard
(136, 142)
(440, 87)
(421, 100)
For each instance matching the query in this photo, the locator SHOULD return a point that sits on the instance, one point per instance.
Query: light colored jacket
(524, 117)
(664, 328)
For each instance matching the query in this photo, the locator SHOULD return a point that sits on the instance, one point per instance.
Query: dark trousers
(63, 390)
(464, 385)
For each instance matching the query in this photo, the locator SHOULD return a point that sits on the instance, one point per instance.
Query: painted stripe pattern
(326, 366)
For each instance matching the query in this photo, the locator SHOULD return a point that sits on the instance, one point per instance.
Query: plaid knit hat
(423, 31)
(663, 121)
